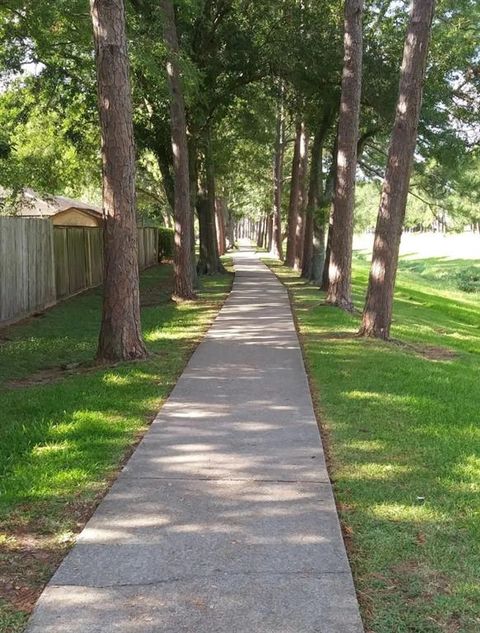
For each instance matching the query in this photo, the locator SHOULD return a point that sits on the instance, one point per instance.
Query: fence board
(141, 248)
(27, 279)
(96, 262)
(76, 259)
(61, 262)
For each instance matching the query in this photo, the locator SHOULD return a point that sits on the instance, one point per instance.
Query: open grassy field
(402, 425)
(66, 425)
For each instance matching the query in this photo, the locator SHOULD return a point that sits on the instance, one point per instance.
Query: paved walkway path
(223, 521)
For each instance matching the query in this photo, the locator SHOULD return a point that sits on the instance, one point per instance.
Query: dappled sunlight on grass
(158, 335)
(366, 445)
(115, 379)
(402, 419)
(379, 397)
(65, 431)
(397, 512)
(43, 451)
(469, 473)
(374, 471)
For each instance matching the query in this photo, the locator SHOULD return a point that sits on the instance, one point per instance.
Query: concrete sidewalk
(223, 520)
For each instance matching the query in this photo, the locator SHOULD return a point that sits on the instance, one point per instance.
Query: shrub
(166, 243)
(468, 279)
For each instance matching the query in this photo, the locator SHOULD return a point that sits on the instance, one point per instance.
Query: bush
(468, 280)
(166, 243)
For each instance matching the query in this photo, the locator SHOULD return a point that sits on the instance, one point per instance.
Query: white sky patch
(29, 69)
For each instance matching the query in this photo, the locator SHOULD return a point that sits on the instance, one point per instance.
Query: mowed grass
(402, 424)
(66, 428)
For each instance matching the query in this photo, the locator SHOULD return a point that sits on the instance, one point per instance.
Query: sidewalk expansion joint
(229, 479)
(215, 574)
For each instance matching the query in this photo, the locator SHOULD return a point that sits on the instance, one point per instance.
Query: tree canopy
(232, 54)
(251, 75)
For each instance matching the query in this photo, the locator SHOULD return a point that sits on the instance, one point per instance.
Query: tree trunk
(326, 263)
(294, 207)
(307, 244)
(299, 238)
(212, 204)
(264, 233)
(183, 282)
(328, 196)
(315, 201)
(260, 233)
(163, 154)
(318, 253)
(314, 198)
(300, 225)
(340, 266)
(209, 262)
(377, 315)
(193, 173)
(120, 333)
(167, 219)
(220, 225)
(230, 229)
(269, 235)
(276, 245)
(327, 205)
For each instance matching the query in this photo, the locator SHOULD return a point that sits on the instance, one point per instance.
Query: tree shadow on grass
(405, 444)
(61, 442)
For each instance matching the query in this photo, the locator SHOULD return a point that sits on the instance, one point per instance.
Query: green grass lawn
(402, 425)
(66, 425)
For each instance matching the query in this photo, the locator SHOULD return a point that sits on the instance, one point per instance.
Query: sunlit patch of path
(224, 518)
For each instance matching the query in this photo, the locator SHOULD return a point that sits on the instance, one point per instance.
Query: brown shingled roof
(34, 205)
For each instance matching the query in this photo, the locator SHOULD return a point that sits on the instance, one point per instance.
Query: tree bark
(300, 225)
(314, 200)
(340, 265)
(327, 203)
(183, 282)
(193, 173)
(326, 263)
(294, 207)
(120, 333)
(206, 263)
(318, 253)
(328, 196)
(163, 153)
(276, 244)
(212, 204)
(230, 229)
(209, 262)
(377, 315)
(260, 233)
(220, 225)
(269, 235)
(307, 244)
(263, 234)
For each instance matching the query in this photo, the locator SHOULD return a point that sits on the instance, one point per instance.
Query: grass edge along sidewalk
(403, 435)
(67, 426)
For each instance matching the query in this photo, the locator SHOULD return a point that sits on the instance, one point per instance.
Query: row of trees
(377, 314)
(335, 278)
(219, 95)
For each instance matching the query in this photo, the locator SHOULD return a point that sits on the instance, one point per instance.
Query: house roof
(34, 205)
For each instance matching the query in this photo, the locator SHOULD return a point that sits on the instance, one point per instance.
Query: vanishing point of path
(223, 520)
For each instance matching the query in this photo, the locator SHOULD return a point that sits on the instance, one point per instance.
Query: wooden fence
(41, 263)
(78, 259)
(147, 247)
(27, 269)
